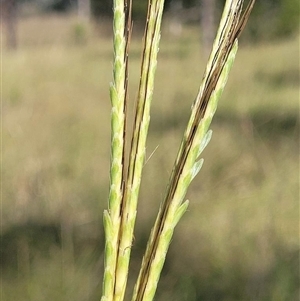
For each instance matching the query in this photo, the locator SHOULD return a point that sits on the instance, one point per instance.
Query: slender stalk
(118, 91)
(138, 143)
(195, 139)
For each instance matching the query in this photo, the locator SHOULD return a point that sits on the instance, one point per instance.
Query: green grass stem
(118, 91)
(138, 144)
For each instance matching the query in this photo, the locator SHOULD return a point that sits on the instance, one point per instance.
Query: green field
(239, 239)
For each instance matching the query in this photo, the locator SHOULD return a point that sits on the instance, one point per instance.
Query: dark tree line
(270, 18)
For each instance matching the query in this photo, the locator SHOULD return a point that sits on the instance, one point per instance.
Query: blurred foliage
(80, 34)
(282, 15)
(274, 19)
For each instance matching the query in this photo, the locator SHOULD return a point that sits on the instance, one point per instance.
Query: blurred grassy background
(239, 239)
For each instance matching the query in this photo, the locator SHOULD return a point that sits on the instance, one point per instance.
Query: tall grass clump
(126, 169)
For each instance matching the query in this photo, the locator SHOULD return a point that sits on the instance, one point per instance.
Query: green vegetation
(239, 240)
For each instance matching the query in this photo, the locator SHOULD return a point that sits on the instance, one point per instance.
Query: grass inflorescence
(119, 220)
(239, 238)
